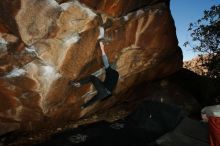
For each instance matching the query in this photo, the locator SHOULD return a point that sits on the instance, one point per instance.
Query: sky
(184, 12)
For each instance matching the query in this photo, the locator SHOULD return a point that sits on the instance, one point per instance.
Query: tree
(205, 33)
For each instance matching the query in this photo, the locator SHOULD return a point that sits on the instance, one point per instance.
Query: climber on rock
(104, 88)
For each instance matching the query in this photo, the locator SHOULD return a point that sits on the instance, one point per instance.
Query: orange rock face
(119, 7)
(44, 45)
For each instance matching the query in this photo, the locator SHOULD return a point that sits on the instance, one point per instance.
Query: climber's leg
(102, 92)
(82, 81)
(91, 101)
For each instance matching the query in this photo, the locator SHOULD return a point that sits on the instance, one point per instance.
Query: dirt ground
(22, 138)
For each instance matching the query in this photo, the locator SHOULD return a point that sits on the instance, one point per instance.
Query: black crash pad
(188, 133)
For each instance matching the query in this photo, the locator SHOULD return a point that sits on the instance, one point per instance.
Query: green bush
(205, 34)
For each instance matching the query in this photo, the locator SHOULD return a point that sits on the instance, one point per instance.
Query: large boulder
(45, 44)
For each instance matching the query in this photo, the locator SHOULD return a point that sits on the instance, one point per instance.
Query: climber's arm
(104, 56)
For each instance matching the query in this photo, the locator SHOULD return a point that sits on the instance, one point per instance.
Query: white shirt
(211, 110)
